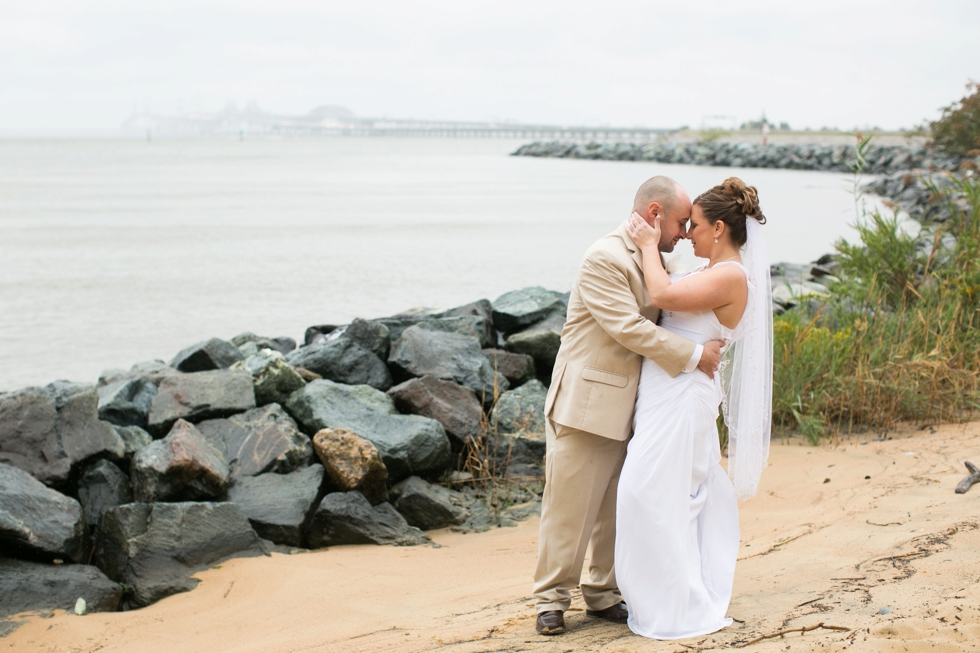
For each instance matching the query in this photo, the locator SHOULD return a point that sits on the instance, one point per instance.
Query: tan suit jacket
(611, 327)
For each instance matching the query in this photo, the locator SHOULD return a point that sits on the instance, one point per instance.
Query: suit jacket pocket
(601, 376)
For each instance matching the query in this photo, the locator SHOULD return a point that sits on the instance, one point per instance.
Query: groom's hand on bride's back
(711, 357)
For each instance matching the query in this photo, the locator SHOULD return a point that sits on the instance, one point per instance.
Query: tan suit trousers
(579, 506)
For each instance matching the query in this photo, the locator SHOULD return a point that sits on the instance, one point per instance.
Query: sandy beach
(838, 535)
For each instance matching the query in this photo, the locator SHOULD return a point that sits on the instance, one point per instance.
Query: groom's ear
(653, 209)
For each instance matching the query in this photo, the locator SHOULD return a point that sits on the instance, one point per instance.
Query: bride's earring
(716, 240)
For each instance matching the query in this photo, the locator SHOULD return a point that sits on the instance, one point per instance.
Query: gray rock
(259, 441)
(101, 486)
(480, 308)
(519, 309)
(541, 341)
(316, 333)
(134, 438)
(517, 368)
(279, 505)
(427, 506)
(151, 371)
(153, 549)
(396, 325)
(424, 351)
(344, 361)
(352, 463)
(474, 326)
(127, 402)
(272, 377)
(452, 405)
(281, 344)
(373, 336)
(348, 518)
(213, 354)
(37, 521)
(30, 586)
(181, 467)
(518, 424)
(47, 431)
(200, 396)
(408, 444)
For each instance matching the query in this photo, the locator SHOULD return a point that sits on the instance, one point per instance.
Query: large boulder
(519, 309)
(474, 326)
(343, 360)
(373, 336)
(541, 341)
(46, 431)
(181, 467)
(349, 518)
(272, 377)
(101, 486)
(259, 441)
(408, 444)
(279, 505)
(126, 402)
(213, 354)
(36, 521)
(30, 586)
(200, 396)
(518, 424)
(452, 405)
(427, 506)
(352, 463)
(480, 308)
(424, 350)
(154, 548)
(518, 368)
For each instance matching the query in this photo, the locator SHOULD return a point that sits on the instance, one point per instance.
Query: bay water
(119, 251)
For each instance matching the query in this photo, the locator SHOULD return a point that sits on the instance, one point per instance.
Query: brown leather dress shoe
(551, 622)
(616, 613)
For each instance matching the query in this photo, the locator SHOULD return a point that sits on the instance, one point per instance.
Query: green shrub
(958, 130)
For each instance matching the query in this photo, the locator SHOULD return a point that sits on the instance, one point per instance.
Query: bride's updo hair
(731, 202)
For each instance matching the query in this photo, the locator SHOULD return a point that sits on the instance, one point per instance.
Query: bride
(677, 531)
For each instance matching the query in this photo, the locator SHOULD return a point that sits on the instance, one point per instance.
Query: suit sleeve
(605, 290)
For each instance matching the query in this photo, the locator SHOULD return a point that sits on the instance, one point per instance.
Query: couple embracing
(633, 456)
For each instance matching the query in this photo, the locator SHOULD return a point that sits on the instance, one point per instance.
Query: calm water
(113, 252)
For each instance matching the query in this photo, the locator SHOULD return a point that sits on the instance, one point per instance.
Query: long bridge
(337, 121)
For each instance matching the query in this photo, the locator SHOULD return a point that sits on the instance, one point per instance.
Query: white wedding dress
(677, 531)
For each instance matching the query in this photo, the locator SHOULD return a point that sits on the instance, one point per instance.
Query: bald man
(611, 327)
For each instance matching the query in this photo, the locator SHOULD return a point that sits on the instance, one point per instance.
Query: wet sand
(813, 551)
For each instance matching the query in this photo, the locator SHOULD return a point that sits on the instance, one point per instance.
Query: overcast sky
(88, 65)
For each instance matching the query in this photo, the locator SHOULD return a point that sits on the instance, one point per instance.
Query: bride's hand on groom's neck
(645, 236)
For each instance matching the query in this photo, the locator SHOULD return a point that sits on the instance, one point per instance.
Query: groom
(611, 327)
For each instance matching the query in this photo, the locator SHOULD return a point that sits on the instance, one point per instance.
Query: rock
(213, 354)
(101, 486)
(517, 368)
(452, 405)
(151, 371)
(81, 607)
(373, 336)
(396, 325)
(30, 586)
(279, 505)
(427, 506)
(307, 375)
(315, 333)
(348, 518)
(126, 403)
(541, 341)
(480, 308)
(37, 521)
(47, 431)
(181, 467)
(424, 351)
(281, 344)
(273, 379)
(473, 326)
(408, 444)
(154, 549)
(518, 424)
(200, 396)
(352, 463)
(344, 361)
(134, 438)
(259, 441)
(790, 294)
(519, 309)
